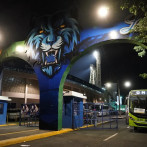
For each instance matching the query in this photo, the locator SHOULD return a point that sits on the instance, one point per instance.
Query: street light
(20, 49)
(108, 85)
(95, 54)
(126, 84)
(113, 34)
(103, 11)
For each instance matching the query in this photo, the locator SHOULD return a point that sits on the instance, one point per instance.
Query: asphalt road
(121, 137)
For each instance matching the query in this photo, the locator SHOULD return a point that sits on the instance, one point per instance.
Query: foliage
(144, 75)
(139, 9)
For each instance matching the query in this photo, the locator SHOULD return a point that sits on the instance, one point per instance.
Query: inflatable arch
(51, 48)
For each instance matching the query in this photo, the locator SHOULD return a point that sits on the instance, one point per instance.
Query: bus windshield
(138, 104)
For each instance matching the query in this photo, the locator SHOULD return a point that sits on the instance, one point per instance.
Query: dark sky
(16, 15)
(119, 61)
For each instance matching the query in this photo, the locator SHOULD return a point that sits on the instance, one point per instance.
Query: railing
(29, 115)
(101, 119)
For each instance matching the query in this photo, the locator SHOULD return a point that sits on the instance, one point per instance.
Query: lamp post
(126, 84)
(118, 90)
(109, 94)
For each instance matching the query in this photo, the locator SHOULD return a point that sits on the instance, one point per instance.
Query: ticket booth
(3, 109)
(72, 109)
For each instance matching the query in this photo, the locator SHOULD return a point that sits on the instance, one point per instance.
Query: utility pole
(119, 98)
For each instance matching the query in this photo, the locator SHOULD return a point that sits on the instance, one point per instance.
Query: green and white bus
(137, 108)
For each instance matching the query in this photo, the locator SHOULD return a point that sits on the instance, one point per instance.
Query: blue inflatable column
(50, 102)
(50, 47)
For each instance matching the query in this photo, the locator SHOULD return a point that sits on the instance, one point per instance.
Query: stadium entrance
(51, 48)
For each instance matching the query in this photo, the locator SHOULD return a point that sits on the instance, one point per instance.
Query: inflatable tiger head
(51, 40)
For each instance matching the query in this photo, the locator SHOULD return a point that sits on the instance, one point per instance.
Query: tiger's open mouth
(51, 61)
(51, 57)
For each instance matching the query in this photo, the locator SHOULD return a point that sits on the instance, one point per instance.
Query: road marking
(18, 132)
(128, 127)
(110, 137)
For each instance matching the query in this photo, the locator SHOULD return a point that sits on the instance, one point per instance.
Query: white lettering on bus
(143, 92)
(137, 92)
(140, 92)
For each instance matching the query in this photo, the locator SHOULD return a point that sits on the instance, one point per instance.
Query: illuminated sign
(139, 110)
(139, 92)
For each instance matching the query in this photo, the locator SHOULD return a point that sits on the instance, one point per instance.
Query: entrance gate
(51, 48)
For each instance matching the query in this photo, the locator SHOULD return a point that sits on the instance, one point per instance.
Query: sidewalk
(13, 133)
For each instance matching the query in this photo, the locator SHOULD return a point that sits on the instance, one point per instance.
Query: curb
(39, 136)
(8, 125)
(32, 137)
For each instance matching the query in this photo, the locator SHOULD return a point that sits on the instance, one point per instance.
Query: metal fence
(97, 119)
(101, 119)
(29, 115)
(100, 116)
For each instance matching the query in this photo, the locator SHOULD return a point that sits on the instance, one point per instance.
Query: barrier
(29, 115)
(94, 116)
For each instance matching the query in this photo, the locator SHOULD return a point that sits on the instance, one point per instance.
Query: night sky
(119, 62)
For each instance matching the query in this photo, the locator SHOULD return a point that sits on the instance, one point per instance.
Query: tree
(139, 9)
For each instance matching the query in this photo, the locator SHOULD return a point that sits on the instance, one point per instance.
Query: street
(91, 137)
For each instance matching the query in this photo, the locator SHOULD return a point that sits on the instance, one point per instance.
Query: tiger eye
(41, 31)
(62, 26)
